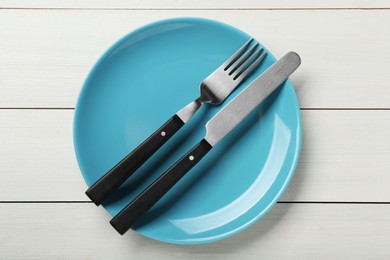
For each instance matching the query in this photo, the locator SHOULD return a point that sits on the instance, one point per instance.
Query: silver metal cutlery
(216, 129)
(213, 90)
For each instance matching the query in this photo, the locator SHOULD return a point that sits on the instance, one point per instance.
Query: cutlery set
(213, 90)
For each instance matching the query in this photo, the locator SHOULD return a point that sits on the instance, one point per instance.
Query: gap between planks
(202, 9)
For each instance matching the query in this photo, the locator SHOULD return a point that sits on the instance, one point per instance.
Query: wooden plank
(345, 54)
(37, 161)
(200, 4)
(345, 157)
(289, 231)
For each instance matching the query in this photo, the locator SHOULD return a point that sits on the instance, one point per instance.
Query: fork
(213, 90)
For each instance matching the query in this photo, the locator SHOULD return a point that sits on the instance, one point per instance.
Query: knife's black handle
(151, 195)
(109, 182)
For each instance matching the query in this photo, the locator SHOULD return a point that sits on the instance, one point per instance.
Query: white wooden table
(337, 206)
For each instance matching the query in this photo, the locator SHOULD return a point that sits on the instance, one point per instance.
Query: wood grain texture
(200, 4)
(48, 53)
(289, 231)
(345, 157)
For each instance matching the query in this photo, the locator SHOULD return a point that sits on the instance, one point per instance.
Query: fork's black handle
(151, 195)
(109, 182)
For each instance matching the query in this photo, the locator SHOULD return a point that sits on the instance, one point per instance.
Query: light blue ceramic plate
(142, 81)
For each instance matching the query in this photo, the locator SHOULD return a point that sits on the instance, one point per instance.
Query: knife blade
(216, 129)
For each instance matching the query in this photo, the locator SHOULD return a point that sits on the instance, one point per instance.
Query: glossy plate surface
(144, 79)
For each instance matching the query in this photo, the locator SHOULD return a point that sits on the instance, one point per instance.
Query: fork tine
(246, 64)
(248, 71)
(240, 60)
(236, 55)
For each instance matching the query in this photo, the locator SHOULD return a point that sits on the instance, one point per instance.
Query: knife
(216, 129)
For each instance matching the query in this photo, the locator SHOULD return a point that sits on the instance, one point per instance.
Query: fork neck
(188, 111)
